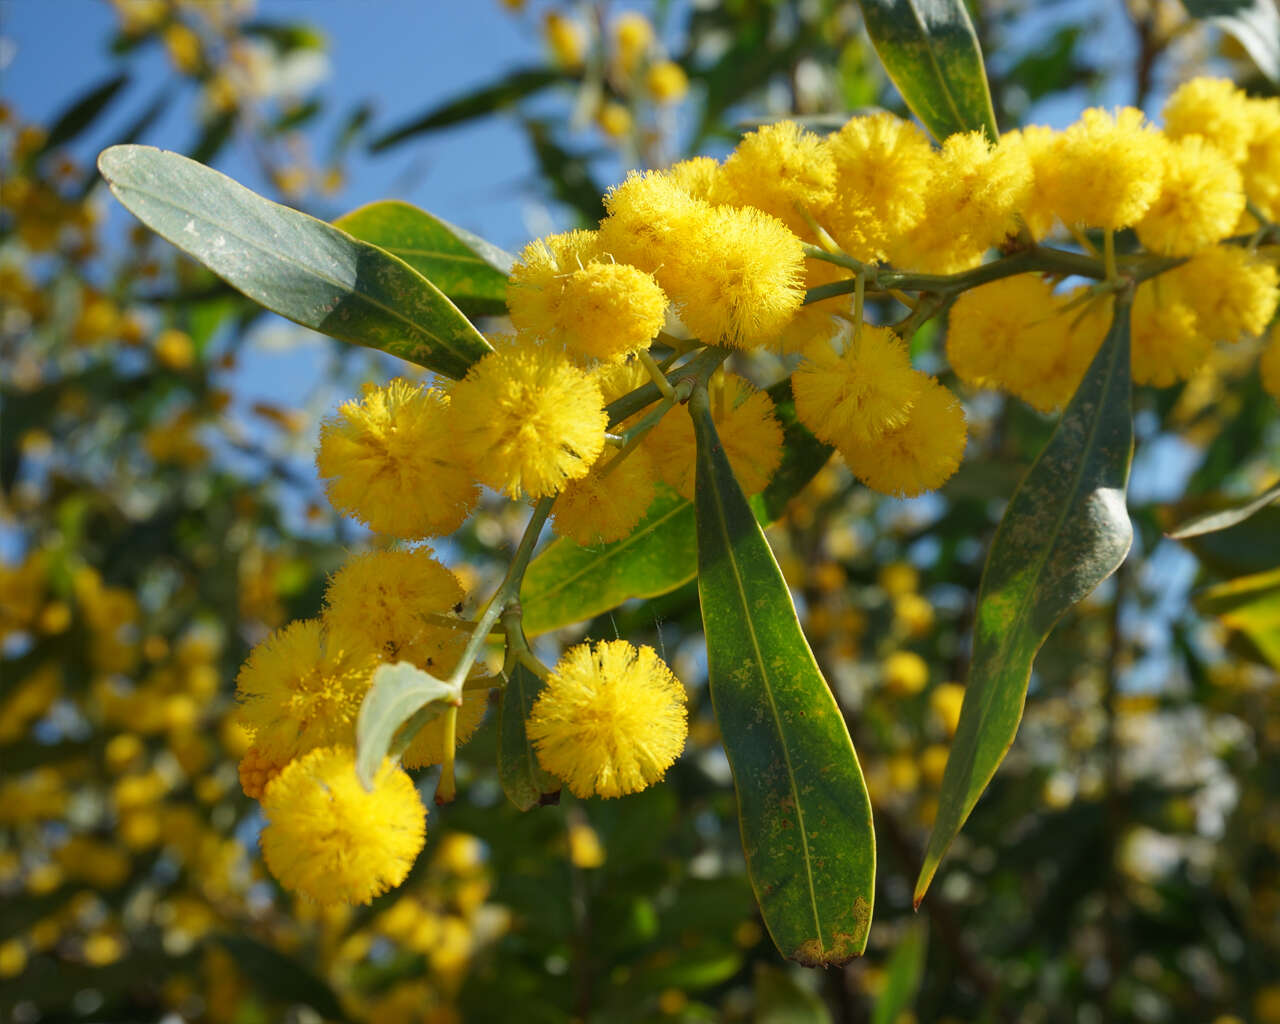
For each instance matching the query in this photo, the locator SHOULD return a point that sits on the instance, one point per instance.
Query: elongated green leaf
(1066, 530)
(567, 583)
(523, 779)
(401, 695)
(903, 975)
(931, 52)
(506, 91)
(292, 264)
(1254, 23)
(280, 978)
(466, 268)
(1211, 522)
(802, 802)
(1250, 604)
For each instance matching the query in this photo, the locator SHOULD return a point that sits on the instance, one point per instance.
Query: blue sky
(403, 54)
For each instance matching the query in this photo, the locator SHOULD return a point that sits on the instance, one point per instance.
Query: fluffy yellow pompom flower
(536, 284)
(1040, 144)
(971, 203)
(388, 460)
(528, 421)
(608, 310)
(428, 745)
(697, 176)
(1214, 109)
(649, 217)
(857, 396)
(1013, 334)
(780, 169)
(1166, 343)
(611, 719)
(1108, 169)
(1269, 365)
(606, 503)
(735, 274)
(883, 166)
(919, 456)
(739, 279)
(1261, 166)
(388, 596)
(301, 688)
(1201, 199)
(749, 433)
(1232, 291)
(333, 842)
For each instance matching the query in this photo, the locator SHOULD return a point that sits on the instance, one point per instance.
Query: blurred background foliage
(158, 520)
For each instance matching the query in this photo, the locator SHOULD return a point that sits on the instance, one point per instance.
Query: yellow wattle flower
(611, 719)
(386, 596)
(536, 286)
(301, 688)
(1201, 199)
(1232, 290)
(919, 456)
(333, 842)
(609, 310)
(780, 169)
(1216, 110)
(883, 166)
(605, 506)
(1166, 342)
(859, 395)
(388, 460)
(1108, 169)
(739, 277)
(527, 421)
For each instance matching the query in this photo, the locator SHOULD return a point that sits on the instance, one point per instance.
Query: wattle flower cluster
(711, 254)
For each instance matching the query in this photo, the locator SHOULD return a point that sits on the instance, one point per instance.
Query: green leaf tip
(401, 695)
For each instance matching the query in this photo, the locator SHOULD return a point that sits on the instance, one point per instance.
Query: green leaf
(1066, 530)
(505, 92)
(1254, 23)
(931, 52)
(1212, 522)
(1250, 604)
(280, 978)
(401, 695)
(781, 1000)
(470, 271)
(802, 802)
(82, 112)
(567, 583)
(522, 778)
(292, 264)
(903, 975)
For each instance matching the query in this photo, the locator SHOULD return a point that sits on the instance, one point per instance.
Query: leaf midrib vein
(773, 707)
